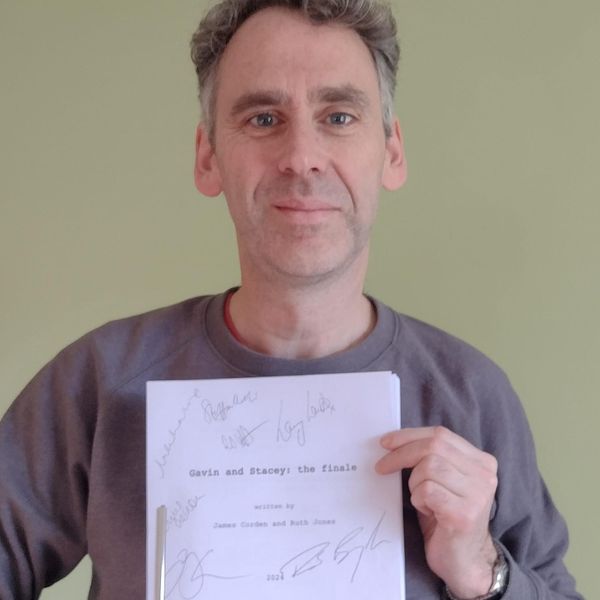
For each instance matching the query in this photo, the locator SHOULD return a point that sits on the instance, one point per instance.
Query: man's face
(299, 147)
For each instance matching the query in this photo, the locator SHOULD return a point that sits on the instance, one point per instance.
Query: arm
(453, 485)
(45, 445)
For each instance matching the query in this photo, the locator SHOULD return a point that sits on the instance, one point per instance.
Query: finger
(415, 443)
(438, 469)
(408, 456)
(470, 480)
(410, 453)
(401, 437)
(432, 498)
(453, 512)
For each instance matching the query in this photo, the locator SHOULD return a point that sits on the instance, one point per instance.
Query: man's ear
(394, 169)
(206, 171)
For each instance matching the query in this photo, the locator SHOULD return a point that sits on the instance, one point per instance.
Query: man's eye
(264, 120)
(340, 118)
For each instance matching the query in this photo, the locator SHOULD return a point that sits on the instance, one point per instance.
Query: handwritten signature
(220, 411)
(241, 438)
(316, 555)
(287, 431)
(180, 513)
(315, 408)
(168, 445)
(188, 575)
(296, 431)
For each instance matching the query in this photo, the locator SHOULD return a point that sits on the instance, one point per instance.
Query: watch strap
(499, 579)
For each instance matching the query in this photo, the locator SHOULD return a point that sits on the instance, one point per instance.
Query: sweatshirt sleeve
(526, 522)
(46, 441)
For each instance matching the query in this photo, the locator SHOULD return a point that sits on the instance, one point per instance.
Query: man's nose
(302, 151)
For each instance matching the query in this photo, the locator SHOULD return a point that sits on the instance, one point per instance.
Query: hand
(452, 487)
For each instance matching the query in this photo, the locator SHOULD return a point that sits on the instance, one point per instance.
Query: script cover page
(266, 488)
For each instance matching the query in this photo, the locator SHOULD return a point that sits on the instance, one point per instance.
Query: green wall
(494, 238)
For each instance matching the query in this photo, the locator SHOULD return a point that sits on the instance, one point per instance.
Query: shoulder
(174, 324)
(119, 349)
(441, 351)
(435, 353)
(447, 381)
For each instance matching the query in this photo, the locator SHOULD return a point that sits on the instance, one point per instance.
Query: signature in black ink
(181, 512)
(220, 411)
(286, 431)
(342, 552)
(168, 446)
(318, 407)
(315, 556)
(307, 560)
(241, 438)
(187, 575)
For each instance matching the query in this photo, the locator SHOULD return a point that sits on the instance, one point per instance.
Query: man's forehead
(263, 19)
(275, 33)
(277, 50)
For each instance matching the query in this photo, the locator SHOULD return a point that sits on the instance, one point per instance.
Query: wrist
(499, 580)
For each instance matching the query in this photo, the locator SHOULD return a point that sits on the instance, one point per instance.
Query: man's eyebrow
(346, 94)
(259, 98)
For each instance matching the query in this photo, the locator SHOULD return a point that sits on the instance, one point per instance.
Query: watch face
(499, 575)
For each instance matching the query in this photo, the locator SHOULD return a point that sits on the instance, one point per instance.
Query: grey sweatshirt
(72, 446)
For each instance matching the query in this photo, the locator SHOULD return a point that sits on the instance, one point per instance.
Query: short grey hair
(372, 20)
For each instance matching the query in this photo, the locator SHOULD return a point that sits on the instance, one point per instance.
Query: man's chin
(305, 271)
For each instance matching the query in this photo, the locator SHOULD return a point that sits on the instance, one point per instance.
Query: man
(298, 134)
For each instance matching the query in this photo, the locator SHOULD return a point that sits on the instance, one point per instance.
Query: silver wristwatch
(499, 579)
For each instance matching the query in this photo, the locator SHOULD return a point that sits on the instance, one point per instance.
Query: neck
(301, 323)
